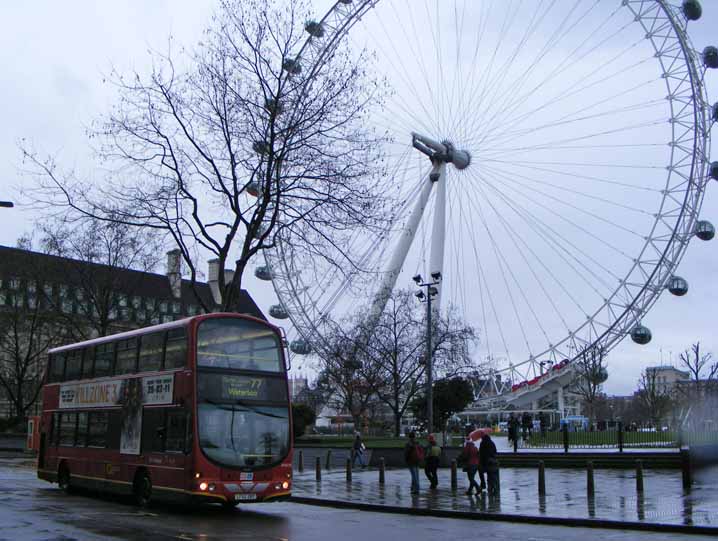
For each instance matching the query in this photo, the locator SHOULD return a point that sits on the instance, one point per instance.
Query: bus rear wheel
(142, 489)
(63, 478)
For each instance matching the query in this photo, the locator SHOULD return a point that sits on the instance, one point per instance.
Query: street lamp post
(431, 291)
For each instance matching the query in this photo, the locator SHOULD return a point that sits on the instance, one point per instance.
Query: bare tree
(653, 398)
(590, 366)
(27, 331)
(249, 144)
(695, 362)
(395, 348)
(96, 257)
(346, 379)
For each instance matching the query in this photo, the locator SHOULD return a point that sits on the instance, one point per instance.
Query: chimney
(213, 279)
(174, 272)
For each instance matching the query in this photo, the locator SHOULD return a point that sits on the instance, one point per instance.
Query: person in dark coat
(513, 428)
(413, 456)
(489, 463)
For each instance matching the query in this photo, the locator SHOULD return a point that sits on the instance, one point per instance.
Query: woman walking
(470, 456)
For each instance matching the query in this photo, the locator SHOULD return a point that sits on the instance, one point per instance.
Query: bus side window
(153, 430)
(68, 425)
(88, 363)
(97, 429)
(151, 352)
(54, 429)
(126, 357)
(81, 436)
(104, 359)
(73, 364)
(114, 423)
(57, 368)
(176, 349)
(176, 430)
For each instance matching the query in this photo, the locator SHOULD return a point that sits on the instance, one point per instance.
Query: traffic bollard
(381, 471)
(349, 470)
(300, 462)
(454, 482)
(590, 486)
(318, 469)
(639, 476)
(541, 478)
(328, 463)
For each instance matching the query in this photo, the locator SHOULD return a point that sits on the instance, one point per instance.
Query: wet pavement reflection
(662, 501)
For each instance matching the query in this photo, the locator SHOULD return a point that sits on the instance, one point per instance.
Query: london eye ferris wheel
(550, 160)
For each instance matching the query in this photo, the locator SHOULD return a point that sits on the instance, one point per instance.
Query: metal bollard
(300, 461)
(349, 470)
(541, 478)
(328, 463)
(381, 470)
(454, 482)
(590, 486)
(564, 435)
(686, 469)
(318, 469)
(639, 476)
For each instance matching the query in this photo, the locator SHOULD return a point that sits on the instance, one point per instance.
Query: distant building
(666, 377)
(32, 283)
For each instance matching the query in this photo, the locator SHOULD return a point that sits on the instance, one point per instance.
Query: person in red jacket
(470, 456)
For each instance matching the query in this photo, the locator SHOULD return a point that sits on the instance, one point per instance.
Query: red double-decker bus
(195, 409)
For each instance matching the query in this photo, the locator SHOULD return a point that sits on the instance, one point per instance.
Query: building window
(67, 306)
(163, 307)
(136, 302)
(140, 315)
(47, 289)
(176, 308)
(122, 300)
(14, 283)
(79, 295)
(125, 314)
(63, 291)
(166, 318)
(126, 357)
(31, 286)
(150, 304)
(112, 314)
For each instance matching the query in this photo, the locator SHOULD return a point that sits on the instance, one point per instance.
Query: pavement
(33, 510)
(663, 501)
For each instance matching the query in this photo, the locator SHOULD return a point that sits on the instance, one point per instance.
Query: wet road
(31, 509)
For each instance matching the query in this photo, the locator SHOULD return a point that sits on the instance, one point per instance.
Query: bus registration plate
(245, 497)
(246, 476)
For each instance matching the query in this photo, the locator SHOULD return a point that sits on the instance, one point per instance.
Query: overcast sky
(54, 57)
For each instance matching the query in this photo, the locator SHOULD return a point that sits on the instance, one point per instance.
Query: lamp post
(431, 291)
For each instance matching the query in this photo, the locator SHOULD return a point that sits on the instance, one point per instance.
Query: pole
(429, 375)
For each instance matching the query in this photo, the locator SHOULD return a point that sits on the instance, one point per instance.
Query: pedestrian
(526, 423)
(513, 428)
(358, 449)
(433, 456)
(489, 462)
(470, 459)
(542, 424)
(413, 456)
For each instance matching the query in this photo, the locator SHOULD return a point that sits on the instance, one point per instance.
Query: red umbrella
(477, 434)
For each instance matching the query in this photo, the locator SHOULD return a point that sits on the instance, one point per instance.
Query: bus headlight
(203, 486)
(285, 485)
(212, 487)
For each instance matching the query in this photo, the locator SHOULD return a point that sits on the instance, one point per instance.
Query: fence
(615, 438)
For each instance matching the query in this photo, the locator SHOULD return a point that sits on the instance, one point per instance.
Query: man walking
(413, 455)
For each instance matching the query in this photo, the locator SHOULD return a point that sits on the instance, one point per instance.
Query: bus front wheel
(142, 489)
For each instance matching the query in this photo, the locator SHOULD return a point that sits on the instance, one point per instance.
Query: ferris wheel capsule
(713, 170)
(704, 230)
(263, 272)
(714, 114)
(677, 286)
(692, 9)
(292, 66)
(710, 57)
(300, 347)
(277, 311)
(641, 335)
(314, 29)
(253, 189)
